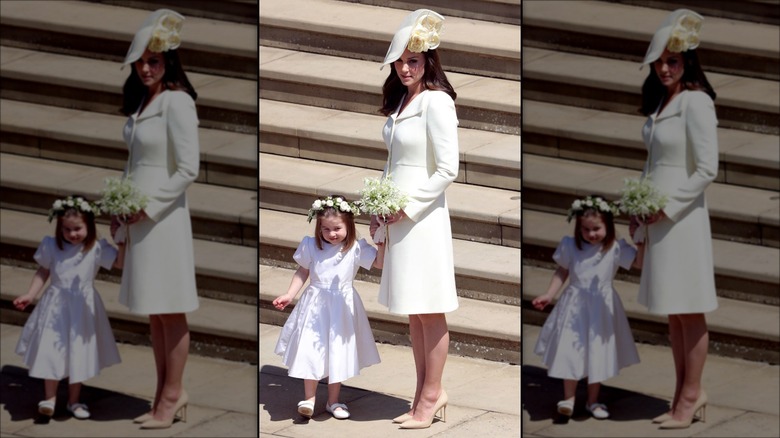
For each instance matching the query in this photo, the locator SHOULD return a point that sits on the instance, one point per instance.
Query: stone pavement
(484, 397)
(222, 397)
(744, 398)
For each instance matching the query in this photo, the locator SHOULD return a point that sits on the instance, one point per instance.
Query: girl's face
(670, 68)
(333, 229)
(151, 69)
(410, 68)
(593, 228)
(74, 229)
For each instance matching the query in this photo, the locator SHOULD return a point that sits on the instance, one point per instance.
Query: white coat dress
(159, 269)
(418, 275)
(677, 274)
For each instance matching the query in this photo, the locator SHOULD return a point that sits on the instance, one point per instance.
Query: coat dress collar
(414, 108)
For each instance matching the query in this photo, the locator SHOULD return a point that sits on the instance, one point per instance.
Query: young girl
(587, 333)
(68, 334)
(327, 334)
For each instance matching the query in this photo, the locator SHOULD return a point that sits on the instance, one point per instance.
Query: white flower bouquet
(381, 197)
(120, 197)
(640, 198)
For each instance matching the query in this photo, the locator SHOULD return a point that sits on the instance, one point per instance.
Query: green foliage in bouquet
(121, 197)
(381, 197)
(641, 198)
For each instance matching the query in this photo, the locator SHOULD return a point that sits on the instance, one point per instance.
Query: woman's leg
(158, 349)
(678, 354)
(436, 338)
(695, 341)
(177, 344)
(418, 351)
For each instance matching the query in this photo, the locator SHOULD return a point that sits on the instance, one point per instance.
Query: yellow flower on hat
(425, 34)
(685, 34)
(417, 42)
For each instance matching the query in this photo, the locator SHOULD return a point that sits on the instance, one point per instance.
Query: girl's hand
(21, 302)
(655, 217)
(395, 217)
(541, 302)
(282, 302)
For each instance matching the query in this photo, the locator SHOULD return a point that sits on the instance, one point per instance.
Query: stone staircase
(61, 134)
(320, 91)
(581, 135)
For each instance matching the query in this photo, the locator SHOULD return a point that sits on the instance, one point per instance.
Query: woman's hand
(655, 217)
(389, 220)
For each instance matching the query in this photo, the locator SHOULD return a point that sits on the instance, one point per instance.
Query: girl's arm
(380, 255)
(558, 278)
(640, 256)
(299, 278)
(119, 262)
(39, 279)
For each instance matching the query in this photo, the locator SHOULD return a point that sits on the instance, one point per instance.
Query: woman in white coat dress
(681, 138)
(418, 278)
(162, 137)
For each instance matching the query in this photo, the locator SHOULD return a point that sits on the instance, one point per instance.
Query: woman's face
(410, 68)
(333, 229)
(670, 68)
(151, 69)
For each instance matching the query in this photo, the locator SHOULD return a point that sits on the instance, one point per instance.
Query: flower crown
(685, 34)
(594, 202)
(59, 206)
(330, 202)
(165, 34)
(425, 34)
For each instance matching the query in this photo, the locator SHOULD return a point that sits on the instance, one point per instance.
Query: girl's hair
(89, 221)
(433, 79)
(349, 222)
(174, 78)
(609, 224)
(693, 78)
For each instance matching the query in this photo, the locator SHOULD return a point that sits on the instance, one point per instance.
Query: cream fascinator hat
(419, 32)
(679, 33)
(159, 32)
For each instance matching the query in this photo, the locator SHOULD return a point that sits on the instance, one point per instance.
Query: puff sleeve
(44, 255)
(442, 134)
(106, 254)
(625, 254)
(303, 255)
(701, 132)
(563, 253)
(182, 131)
(365, 254)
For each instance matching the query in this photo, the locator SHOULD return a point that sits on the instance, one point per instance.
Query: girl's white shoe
(46, 407)
(306, 408)
(566, 407)
(598, 410)
(341, 414)
(79, 410)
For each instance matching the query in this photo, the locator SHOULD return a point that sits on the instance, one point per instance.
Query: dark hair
(609, 223)
(433, 79)
(347, 217)
(89, 221)
(693, 78)
(174, 78)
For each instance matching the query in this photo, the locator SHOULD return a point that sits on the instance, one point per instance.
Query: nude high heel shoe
(663, 417)
(402, 418)
(143, 418)
(701, 404)
(181, 405)
(441, 404)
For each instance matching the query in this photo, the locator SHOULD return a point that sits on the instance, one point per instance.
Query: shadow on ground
(540, 395)
(279, 396)
(20, 396)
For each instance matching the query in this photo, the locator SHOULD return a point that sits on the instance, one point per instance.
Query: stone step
(105, 31)
(308, 79)
(742, 214)
(567, 78)
(237, 11)
(477, 328)
(482, 271)
(486, 158)
(728, 332)
(498, 11)
(481, 214)
(742, 271)
(746, 158)
(84, 137)
(364, 31)
(218, 328)
(757, 11)
(622, 31)
(218, 213)
(223, 271)
(36, 77)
